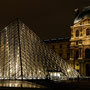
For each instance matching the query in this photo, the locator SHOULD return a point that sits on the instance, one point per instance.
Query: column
(80, 53)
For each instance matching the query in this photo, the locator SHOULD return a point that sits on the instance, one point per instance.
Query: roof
(83, 14)
(57, 40)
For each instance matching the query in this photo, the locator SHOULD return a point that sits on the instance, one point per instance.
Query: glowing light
(58, 74)
(16, 84)
(54, 74)
(68, 70)
(39, 71)
(38, 78)
(10, 84)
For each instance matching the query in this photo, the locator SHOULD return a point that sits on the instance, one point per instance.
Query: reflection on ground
(24, 84)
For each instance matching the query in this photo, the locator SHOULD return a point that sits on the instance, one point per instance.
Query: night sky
(47, 18)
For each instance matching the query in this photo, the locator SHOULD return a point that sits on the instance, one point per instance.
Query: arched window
(77, 33)
(87, 53)
(88, 32)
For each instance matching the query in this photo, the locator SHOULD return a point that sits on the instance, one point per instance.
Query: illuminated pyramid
(23, 55)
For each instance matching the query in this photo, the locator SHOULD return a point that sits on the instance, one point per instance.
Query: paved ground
(19, 84)
(70, 84)
(45, 84)
(73, 85)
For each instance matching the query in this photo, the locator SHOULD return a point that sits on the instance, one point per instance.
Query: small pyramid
(23, 55)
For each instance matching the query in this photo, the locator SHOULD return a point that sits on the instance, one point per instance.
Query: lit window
(77, 33)
(88, 32)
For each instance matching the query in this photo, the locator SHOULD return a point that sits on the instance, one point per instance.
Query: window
(77, 33)
(76, 42)
(88, 32)
(68, 56)
(60, 45)
(60, 54)
(88, 21)
(53, 47)
(80, 42)
(77, 64)
(77, 54)
(87, 53)
(77, 70)
(68, 46)
(87, 69)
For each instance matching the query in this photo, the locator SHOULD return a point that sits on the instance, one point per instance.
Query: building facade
(78, 46)
(80, 42)
(61, 46)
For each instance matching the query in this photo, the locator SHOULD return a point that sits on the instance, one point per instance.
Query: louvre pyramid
(23, 55)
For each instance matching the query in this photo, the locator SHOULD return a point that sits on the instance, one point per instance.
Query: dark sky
(47, 18)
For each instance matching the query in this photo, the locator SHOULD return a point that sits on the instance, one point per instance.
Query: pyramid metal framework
(23, 55)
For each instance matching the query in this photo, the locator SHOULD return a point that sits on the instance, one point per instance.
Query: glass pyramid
(23, 55)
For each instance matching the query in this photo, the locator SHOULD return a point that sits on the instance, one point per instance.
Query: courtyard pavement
(45, 84)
